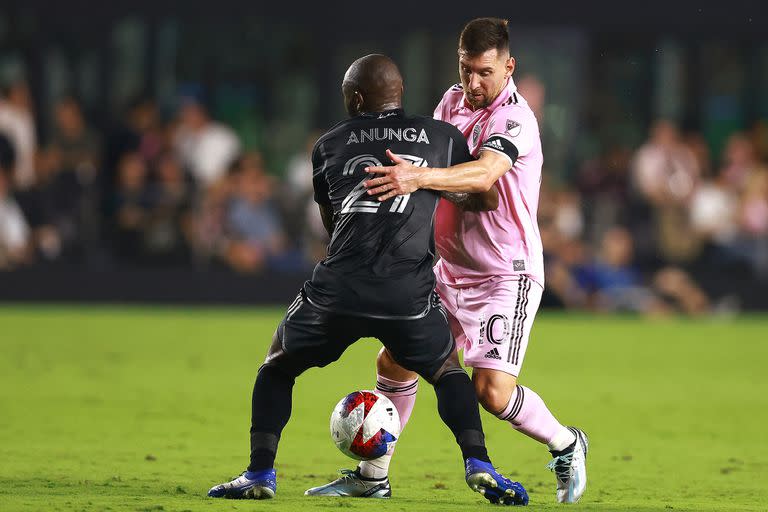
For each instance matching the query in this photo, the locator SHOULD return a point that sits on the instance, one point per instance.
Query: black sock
(458, 408)
(270, 411)
(567, 449)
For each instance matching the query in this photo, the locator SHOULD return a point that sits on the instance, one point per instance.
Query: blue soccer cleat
(482, 477)
(255, 485)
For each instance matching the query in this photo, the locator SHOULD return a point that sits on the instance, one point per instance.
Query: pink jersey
(475, 247)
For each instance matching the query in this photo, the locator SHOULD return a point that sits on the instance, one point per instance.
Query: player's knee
(491, 394)
(388, 368)
(280, 361)
(450, 366)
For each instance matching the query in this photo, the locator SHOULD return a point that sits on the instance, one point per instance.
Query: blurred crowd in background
(630, 231)
(157, 141)
(148, 192)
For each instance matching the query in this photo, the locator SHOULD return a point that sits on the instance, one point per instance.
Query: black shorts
(309, 337)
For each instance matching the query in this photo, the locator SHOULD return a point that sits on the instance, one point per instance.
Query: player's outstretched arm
(402, 178)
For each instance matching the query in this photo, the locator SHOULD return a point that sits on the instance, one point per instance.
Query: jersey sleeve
(459, 149)
(438, 114)
(319, 181)
(512, 132)
(442, 110)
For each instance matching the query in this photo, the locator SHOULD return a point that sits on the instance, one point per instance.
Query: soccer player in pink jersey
(490, 275)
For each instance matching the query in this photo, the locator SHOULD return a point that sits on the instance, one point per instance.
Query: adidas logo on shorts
(493, 354)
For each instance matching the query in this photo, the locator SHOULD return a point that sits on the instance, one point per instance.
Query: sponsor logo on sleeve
(518, 265)
(513, 127)
(494, 144)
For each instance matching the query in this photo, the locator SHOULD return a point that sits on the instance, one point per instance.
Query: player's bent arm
(479, 202)
(326, 213)
(477, 176)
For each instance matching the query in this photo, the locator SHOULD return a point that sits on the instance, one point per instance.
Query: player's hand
(396, 180)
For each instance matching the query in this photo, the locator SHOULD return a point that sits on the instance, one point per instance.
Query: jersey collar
(395, 112)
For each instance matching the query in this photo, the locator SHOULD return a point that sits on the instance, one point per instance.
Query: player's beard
(477, 101)
(481, 101)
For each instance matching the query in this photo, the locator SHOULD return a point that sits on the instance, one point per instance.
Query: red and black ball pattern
(378, 444)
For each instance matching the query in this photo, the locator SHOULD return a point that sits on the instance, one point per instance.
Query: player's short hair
(483, 34)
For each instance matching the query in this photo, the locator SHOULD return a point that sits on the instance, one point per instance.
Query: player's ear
(510, 66)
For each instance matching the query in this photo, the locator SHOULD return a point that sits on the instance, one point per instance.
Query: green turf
(146, 408)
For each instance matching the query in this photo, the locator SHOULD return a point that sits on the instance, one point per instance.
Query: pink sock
(528, 413)
(403, 395)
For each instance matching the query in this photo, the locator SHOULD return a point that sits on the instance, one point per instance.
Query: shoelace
(349, 474)
(561, 465)
(354, 475)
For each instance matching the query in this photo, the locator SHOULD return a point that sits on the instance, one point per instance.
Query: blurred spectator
(614, 284)
(140, 131)
(131, 206)
(15, 242)
(759, 135)
(49, 207)
(753, 217)
(144, 122)
(699, 148)
(665, 174)
(78, 144)
(253, 228)
(665, 170)
(754, 208)
(603, 182)
(18, 124)
(205, 147)
(731, 211)
(611, 280)
(714, 210)
(740, 162)
(169, 201)
(303, 221)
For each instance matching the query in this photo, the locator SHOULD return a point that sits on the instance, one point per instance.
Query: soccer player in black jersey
(376, 281)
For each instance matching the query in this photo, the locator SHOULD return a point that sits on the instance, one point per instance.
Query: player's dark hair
(483, 34)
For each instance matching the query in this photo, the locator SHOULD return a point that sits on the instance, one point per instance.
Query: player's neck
(383, 107)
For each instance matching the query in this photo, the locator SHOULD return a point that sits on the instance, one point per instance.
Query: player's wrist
(422, 178)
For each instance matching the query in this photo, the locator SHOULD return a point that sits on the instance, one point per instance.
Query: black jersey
(379, 261)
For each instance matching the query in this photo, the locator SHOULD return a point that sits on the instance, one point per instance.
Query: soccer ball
(364, 425)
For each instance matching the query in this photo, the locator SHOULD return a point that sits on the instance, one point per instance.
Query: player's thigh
(387, 367)
(421, 345)
(307, 338)
(449, 298)
(497, 318)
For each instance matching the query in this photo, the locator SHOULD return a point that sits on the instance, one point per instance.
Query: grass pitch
(143, 409)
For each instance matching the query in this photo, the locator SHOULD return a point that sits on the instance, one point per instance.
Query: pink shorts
(492, 321)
